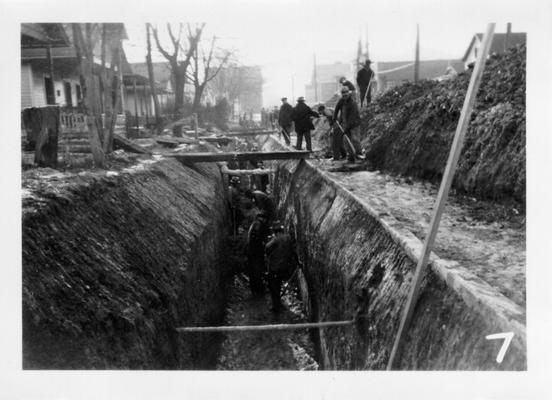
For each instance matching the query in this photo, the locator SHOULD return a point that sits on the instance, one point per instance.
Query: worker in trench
(234, 200)
(262, 201)
(281, 263)
(302, 118)
(347, 118)
(256, 239)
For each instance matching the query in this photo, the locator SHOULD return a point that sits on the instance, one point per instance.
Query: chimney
(508, 31)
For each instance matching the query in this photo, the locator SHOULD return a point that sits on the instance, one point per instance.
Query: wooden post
(315, 80)
(122, 82)
(195, 126)
(135, 105)
(443, 190)
(52, 88)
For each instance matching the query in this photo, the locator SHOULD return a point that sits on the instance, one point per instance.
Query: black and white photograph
(354, 195)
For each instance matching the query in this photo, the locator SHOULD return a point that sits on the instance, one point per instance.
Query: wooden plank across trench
(250, 133)
(239, 156)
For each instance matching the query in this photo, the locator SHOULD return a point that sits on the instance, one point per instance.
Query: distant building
(501, 42)
(327, 81)
(394, 73)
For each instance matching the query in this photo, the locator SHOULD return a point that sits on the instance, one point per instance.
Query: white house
(501, 42)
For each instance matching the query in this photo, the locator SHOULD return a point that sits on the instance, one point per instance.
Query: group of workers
(271, 258)
(344, 120)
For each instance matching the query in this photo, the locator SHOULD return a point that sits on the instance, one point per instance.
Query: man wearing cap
(345, 82)
(281, 262)
(256, 239)
(347, 117)
(301, 116)
(364, 79)
(262, 201)
(284, 119)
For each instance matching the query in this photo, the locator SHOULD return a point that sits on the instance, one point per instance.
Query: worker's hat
(300, 98)
(368, 62)
(284, 98)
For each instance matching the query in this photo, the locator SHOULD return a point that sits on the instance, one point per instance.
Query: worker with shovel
(281, 263)
(347, 118)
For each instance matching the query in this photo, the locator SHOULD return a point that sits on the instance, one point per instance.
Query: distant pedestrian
(281, 263)
(347, 117)
(284, 119)
(364, 80)
(301, 116)
(256, 240)
(262, 201)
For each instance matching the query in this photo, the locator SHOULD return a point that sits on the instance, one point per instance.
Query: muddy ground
(485, 238)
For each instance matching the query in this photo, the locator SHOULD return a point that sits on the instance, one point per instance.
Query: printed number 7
(507, 336)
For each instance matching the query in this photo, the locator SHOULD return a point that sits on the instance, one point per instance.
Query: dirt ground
(264, 350)
(485, 238)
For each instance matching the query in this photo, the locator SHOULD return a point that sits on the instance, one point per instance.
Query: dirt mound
(113, 263)
(409, 130)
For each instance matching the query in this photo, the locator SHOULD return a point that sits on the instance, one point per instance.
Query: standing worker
(347, 117)
(256, 239)
(364, 79)
(234, 199)
(284, 119)
(281, 262)
(303, 124)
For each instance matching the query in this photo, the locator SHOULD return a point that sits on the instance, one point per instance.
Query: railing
(72, 122)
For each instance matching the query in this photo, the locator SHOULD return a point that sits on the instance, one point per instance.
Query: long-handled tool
(348, 141)
(286, 136)
(367, 89)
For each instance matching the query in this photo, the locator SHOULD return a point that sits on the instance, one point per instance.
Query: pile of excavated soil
(409, 130)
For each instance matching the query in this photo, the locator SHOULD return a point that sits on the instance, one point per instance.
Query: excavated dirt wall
(354, 263)
(112, 263)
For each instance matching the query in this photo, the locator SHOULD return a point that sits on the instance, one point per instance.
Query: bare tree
(84, 46)
(158, 122)
(205, 67)
(179, 66)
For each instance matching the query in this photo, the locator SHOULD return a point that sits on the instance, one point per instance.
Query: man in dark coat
(301, 116)
(347, 115)
(256, 239)
(281, 262)
(285, 120)
(364, 80)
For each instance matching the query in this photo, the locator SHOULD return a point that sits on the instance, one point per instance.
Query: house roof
(161, 71)
(429, 69)
(498, 43)
(331, 72)
(41, 35)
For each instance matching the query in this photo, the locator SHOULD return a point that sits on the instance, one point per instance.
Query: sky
(283, 36)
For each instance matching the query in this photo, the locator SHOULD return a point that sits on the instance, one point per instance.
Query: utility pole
(292, 90)
(417, 58)
(508, 32)
(315, 81)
